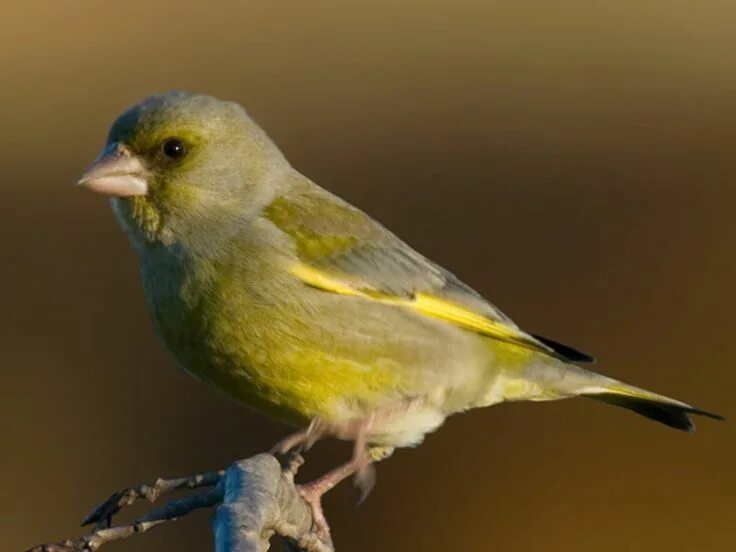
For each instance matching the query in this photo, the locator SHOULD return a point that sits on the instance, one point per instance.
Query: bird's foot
(312, 495)
(312, 492)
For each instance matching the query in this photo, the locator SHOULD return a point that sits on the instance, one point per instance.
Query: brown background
(573, 160)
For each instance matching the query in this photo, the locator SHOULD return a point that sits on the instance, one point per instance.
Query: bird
(304, 308)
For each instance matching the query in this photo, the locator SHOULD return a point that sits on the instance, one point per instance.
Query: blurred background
(572, 160)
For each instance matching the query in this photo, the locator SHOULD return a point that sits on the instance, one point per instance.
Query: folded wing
(344, 251)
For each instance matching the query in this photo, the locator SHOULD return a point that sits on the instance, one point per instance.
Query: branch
(102, 514)
(260, 500)
(257, 499)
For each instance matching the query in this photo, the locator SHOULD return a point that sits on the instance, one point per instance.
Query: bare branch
(257, 499)
(169, 512)
(103, 513)
(260, 500)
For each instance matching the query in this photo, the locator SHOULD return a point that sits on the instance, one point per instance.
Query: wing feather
(426, 304)
(342, 250)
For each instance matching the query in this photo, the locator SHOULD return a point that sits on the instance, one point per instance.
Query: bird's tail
(560, 380)
(656, 407)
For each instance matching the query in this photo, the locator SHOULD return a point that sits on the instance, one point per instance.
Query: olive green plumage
(298, 304)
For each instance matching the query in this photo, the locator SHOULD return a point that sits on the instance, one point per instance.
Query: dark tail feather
(673, 414)
(565, 352)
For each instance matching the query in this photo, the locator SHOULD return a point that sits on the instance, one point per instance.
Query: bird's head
(181, 163)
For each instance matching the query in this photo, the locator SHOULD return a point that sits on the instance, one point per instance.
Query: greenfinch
(303, 307)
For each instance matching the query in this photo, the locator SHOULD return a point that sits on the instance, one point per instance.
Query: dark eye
(174, 148)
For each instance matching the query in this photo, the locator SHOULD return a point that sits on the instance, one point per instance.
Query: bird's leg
(289, 442)
(312, 492)
(303, 439)
(359, 464)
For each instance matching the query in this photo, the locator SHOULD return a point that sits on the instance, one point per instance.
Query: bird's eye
(174, 148)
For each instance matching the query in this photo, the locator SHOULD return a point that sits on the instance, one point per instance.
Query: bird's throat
(140, 219)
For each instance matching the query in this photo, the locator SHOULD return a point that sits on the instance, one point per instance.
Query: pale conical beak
(116, 172)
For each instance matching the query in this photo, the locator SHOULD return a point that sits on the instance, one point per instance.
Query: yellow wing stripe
(428, 305)
(317, 278)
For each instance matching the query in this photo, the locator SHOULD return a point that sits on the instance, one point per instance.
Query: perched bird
(306, 309)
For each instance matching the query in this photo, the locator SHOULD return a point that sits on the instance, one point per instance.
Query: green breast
(245, 328)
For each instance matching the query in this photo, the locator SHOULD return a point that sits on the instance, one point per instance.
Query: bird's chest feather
(231, 324)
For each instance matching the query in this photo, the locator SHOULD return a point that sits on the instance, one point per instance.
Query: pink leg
(359, 464)
(303, 438)
(289, 442)
(312, 492)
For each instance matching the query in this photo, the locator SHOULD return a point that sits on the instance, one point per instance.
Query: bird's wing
(342, 250)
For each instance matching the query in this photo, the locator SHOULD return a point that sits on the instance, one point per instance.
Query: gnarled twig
(102, 514)
(257, 499)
